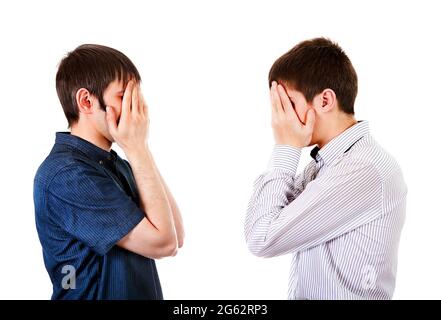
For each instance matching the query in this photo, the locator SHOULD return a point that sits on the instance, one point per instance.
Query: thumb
(111, 121)
(310, 119)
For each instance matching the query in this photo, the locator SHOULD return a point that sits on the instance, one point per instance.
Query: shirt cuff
(285, 157)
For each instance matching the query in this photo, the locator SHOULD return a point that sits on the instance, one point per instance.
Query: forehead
(116, 87)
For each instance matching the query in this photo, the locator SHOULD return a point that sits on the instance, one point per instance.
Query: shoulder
(372, 165)
(60, 167)
(372, 154)
(366, 162)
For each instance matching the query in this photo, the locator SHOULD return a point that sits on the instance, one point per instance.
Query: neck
(335, 128)
(91, 136)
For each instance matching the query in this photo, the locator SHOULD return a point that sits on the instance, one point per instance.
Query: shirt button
(101, 161)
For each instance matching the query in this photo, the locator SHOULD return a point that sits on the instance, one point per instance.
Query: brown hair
(92, 67)
(315, 65)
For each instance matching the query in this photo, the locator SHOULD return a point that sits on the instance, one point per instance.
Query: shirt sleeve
(287, 215)
(91, 207)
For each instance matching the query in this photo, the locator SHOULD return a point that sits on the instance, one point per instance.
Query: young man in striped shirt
(341, 217)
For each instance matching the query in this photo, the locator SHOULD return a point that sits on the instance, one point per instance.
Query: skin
(126, 123)
(299, 123)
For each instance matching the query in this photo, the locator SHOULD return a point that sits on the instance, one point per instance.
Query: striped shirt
(341, 218)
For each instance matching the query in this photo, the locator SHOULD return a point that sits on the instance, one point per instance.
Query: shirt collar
(341, 143)
(87, 148)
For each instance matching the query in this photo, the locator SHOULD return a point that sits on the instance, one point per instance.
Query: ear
(84, 101)
(328, 100)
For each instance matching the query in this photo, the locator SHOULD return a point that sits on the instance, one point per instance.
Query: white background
(204, 66)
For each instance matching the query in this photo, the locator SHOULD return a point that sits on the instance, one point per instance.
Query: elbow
(259, 250)
(171, 250)
(175, 244)
(269, 250)
(262, 248)
(168, 247)
(253, 244)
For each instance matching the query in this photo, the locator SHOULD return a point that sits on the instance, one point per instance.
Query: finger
(286, 102)
(273, 102)
(310, 119)
(127, 100)
(135, 99)
(276, 99)
(111, 120)
(143, 107)
(140, 102)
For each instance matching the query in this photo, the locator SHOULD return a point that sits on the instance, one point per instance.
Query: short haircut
(315, 65)
(92, 67)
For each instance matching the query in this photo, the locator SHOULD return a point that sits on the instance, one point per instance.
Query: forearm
(153, 197)
(273, 190)
(176, 213)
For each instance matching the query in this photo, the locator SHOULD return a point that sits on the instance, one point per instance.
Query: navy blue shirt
(86, 200)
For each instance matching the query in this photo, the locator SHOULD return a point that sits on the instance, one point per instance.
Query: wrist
(137, 154)
(295, 142)
(285, 157)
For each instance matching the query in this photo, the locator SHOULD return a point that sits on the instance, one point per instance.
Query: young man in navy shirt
(103, 220)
